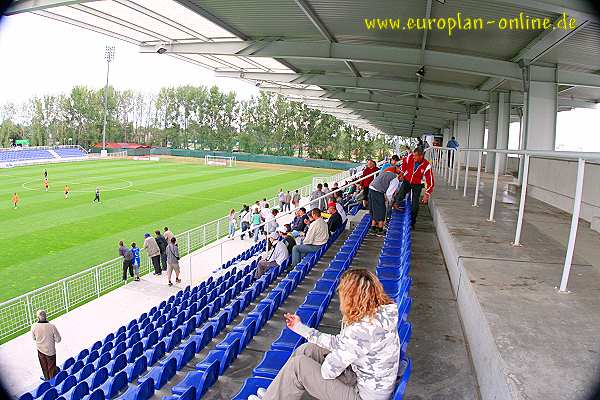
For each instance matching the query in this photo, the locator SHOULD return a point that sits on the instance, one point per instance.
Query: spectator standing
(153, 252)
(452, 144)
(369, 169)
(127, 260)
(281, 197)
(255, 224)
(296, 199)
(45, 336)
(265, 215)
(262, 203)
(162, 246)
(256, 207)
(245, 216)
(326, 191)
(135, 260)
(415, 169)
(318, 192)
(392, 163)
(275, 257)
(377, 191)
(232, 223)
(316, 236)
(173, 261)
(288, 201)
(272, 223)
(168, 235)
(335, 220)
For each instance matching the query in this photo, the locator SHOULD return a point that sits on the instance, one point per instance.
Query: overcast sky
(41, 56)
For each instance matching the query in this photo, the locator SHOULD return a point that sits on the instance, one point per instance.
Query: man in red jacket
(414, 170)
(369, 169)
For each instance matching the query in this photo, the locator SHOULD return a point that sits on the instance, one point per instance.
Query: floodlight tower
(109, 55)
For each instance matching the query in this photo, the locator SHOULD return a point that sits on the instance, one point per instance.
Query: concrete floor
(527, 340)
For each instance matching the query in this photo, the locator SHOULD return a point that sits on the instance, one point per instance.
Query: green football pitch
(49, 237)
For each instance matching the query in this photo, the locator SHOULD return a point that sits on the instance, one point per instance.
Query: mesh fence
(16, 315)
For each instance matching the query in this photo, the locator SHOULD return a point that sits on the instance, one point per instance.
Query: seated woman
(361, 363)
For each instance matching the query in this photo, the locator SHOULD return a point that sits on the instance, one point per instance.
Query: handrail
(447, 161)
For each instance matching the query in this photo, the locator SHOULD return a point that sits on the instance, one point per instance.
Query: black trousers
(245, 227)
(156, 264)
(127, 266)
(405, 188)
(163, 260)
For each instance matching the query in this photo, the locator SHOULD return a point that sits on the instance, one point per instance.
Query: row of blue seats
(392, 270)
(25, 154)
(70, 152)
(195, 384)
(127, 343)
(311, 312)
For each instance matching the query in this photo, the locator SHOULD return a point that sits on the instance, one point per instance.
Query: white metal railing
(446, 161)
(17, 314)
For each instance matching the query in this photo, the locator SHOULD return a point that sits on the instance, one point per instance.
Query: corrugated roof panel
(592, 94)
(81, 16)
(580, 51)
(319, 66)
(184, 16)
(127, 14)
(259, 19)
(271, 63)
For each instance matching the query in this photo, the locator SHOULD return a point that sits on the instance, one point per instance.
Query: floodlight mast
(109, 55)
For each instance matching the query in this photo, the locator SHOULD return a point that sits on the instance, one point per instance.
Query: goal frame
(220, 161)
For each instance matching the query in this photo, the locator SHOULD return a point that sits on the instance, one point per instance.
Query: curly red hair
(361, 294)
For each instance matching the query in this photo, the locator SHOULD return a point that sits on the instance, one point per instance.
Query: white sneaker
(254, 397)
(261, 392)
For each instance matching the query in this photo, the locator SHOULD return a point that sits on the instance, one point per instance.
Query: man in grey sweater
(45, 336)
(127, 260)
(377, 190)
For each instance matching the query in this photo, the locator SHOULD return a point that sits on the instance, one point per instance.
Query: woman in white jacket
(361, 363)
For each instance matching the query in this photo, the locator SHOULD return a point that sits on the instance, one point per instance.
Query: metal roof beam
(23, 6)
(347, 82)
(370, 98)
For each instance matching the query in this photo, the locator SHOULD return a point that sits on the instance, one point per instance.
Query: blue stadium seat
(75, 367)
(173, 340)
(92, 357)
(406, 368)
(102, 360)
(50, 394)
(58, 378)
(287, 341)
(185, 355)
(251, 386)
(202, 315)
(224, 357)
(261, 314)
(67, 384)
(98, 378)
(219, 322)
(307, 316)
(200, 380)
(143, 391)
(85, 372)
(154, 354)
(203, 337)
(83, 354)
(136, 368)
(232, 310)
(96, 346)
(77, 392)
(244, 335)
(160, 374)
(271, 363)
(134, 352)
(40, 390)
(117, 365)
(114, 385)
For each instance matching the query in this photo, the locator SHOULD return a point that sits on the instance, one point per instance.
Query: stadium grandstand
(18, 156)
(492, 271)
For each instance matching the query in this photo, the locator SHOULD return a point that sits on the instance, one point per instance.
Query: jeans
(403, 190)
(255, 232)
(231, 229)
(300, 250)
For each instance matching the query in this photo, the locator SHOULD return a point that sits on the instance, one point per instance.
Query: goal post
(219, 161)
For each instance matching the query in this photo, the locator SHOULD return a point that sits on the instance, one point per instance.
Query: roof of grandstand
(121, 145)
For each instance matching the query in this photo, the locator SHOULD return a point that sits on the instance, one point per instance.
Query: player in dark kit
(97, 198)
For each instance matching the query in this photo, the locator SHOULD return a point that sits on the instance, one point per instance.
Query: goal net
(219, 161)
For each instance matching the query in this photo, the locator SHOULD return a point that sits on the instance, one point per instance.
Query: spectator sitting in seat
(272, 223)
(340, 209)
(275, 257)
(316, 236)
(300, 222)
(335, 220)
(286, 236)
(46, 336)
(359, 363)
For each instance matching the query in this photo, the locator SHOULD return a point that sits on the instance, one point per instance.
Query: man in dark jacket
(300, 222)
(127, 260)
(335, 221)
(162, 245)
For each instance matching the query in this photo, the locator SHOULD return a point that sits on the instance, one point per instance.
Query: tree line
(189, 117)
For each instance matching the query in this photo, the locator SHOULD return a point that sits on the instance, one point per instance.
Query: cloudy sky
(41, 56)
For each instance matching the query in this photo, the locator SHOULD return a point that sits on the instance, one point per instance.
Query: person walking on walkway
(232, 223)
(153, 252)
(315, 200)
(127, 260)
(135, 261)
(162, 243)
(255, 224)
(452, 144)
(46, 336)
(288, 201)
(316, 236)
(245, 217)
(173, 261)
(360, 363)
(296, 199)
(414, 170)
